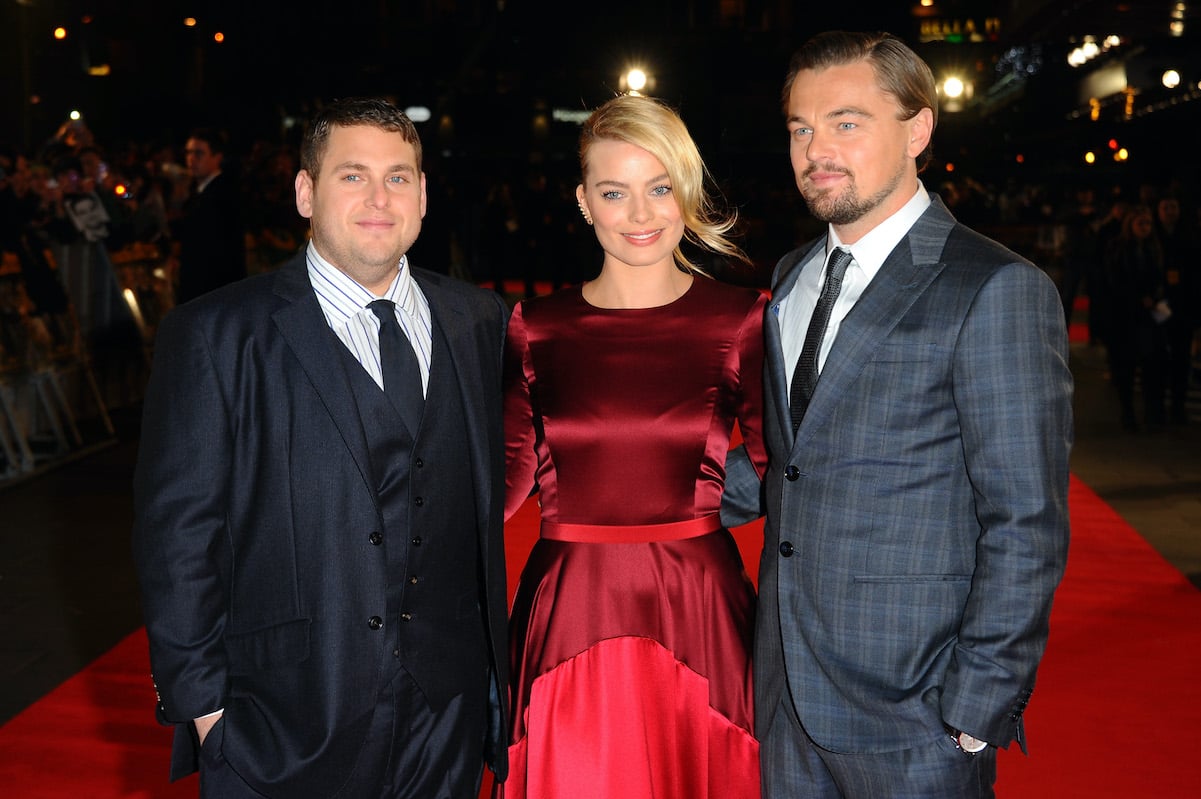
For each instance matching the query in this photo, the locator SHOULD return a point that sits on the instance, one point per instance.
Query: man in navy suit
(210, 232)
(916, 498)
(321, 560)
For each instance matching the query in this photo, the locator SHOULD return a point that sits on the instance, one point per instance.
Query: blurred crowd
(76, 211)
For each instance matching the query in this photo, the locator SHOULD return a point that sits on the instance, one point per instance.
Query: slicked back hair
(899, 71)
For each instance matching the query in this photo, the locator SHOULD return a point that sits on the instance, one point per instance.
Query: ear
(304, 194)
(921, 128)
(423, 196)
(579, 196)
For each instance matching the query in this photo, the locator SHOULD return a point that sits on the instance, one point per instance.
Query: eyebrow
(355, 166)
(844, 111)
(620, 185)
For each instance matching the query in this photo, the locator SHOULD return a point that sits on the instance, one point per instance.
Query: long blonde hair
(650, 124)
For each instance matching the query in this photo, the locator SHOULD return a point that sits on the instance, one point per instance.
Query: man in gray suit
(916, 499)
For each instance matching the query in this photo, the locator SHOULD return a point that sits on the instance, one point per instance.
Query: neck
(637, 287)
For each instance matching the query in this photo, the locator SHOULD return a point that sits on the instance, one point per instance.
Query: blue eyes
(394, 179)
(804, 131)
(658, 191)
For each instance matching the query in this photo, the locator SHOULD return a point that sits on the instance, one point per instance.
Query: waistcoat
(430, 530)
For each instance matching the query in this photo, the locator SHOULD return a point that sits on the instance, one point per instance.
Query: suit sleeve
(1013, 393)
(521, 458)
(741, 500)
(180, 493)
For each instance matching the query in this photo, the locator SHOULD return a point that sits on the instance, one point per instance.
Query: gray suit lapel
(787, 271)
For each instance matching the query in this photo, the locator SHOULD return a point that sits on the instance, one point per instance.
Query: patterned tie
(804, 377)
(402, 375)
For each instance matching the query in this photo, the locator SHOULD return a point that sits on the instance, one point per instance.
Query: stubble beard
(845, 207)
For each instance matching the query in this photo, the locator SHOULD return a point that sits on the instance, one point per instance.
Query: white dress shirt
(794, 311)
(345, 302)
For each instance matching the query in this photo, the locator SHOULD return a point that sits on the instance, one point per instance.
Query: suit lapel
(787, 272)
(456, 325)
(907, 272)
(306, 331)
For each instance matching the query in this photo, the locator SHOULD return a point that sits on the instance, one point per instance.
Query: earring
(584, 211)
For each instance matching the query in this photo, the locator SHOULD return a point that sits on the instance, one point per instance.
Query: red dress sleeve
(750, 377)
(521, 459)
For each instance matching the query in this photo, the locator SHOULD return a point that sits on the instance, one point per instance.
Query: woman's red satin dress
(632, 624)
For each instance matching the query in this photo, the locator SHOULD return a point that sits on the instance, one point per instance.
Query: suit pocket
(913, 578)
(279, 645)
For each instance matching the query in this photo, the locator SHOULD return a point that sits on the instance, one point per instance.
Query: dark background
(494, 73)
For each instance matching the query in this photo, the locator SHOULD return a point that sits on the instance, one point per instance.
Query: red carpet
(1116, 714)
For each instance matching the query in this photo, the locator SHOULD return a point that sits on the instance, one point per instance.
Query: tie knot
(836, 267)
(384, 309)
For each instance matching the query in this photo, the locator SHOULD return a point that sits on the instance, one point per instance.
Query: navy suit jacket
(917, 523)
(254, 504)
(212, 239)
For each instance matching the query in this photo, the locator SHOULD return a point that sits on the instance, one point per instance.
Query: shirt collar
(203, 184)
(342, 298)
(871, 250)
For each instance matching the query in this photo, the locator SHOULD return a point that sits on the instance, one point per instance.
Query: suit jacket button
(419, 501)
(375, 622)
(419, 463)
(791, 472)
(786, 549)
(416, 540)
(376, 539)
(406, 616)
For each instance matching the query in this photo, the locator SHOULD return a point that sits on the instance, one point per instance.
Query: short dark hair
(899, 71)
(350, 112)
(215, 138)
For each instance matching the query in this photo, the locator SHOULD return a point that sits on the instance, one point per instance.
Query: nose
(640, 209)
(817, 148)
(378, 196)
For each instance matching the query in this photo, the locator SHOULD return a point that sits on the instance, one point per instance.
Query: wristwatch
(966, 743)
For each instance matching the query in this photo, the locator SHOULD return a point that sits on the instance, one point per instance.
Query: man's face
(201, 160)
(1169, 211)
(852, 156)
(366, 203)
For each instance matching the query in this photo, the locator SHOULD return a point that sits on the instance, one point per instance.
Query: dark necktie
(804, 377)
(402, 375)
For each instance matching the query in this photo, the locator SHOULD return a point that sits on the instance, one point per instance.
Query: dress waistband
(631, 533)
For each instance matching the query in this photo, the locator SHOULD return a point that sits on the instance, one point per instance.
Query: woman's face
(1141, 225)
(629, 196)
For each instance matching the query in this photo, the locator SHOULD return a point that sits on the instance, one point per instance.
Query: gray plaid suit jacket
(917, 524)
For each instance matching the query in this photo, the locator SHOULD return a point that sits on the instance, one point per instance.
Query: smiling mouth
(648, 236)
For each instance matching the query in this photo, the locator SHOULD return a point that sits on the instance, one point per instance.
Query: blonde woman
(631, 629)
